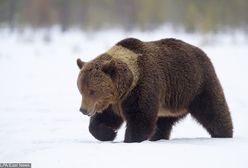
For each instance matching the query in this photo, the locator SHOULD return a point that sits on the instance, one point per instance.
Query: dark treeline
(191, 15)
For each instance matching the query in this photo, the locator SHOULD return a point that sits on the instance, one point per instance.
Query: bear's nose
(84, 111)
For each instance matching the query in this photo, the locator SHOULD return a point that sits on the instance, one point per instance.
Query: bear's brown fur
(151, 85)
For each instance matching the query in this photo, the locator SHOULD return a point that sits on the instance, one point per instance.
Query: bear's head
(101, 83)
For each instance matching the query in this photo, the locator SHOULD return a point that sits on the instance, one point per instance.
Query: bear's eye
(92, 92)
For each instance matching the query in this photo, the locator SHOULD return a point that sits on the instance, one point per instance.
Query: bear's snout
(84, 111)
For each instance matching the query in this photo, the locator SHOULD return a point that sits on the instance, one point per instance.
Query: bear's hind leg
(210, 109)
(103, 126)
(164, 127)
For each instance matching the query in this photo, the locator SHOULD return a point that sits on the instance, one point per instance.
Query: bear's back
(177, 66)
(132, 44)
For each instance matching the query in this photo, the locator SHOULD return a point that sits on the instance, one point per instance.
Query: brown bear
(150, 86)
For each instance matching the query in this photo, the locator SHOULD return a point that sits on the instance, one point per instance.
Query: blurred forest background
(190, 15)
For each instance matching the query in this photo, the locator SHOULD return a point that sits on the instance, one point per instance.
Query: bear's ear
(80, 63)
(109, 68)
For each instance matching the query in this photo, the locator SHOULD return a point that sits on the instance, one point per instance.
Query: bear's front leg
(138, 131)
(140, 114)
(103, 126)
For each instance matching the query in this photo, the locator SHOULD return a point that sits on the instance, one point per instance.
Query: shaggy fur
(151, 85)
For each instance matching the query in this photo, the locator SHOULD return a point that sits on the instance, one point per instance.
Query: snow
(40, 122)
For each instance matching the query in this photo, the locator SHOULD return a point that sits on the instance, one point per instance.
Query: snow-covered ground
(39, 102)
